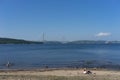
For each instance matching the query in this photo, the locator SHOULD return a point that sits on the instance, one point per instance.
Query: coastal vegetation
(17, 41)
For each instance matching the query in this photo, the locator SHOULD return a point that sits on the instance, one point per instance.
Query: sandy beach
(62, 74)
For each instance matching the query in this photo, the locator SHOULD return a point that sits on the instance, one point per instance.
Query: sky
(61, 20)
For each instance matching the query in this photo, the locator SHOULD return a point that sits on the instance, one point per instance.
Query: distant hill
(87, 42)
(20, 41)
(17, 41)
(93, 42)
(52, 42)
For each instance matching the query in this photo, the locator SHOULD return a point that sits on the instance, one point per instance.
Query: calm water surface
(59, 55)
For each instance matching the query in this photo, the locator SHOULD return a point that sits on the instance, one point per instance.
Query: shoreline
(50, 69)
(58, 74)
(56, 69)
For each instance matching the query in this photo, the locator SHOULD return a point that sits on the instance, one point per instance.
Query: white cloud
(103, 34)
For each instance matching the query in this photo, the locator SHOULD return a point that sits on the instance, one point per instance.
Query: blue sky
(60, 19)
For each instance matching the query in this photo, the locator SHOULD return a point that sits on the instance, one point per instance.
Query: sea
(36, 56)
